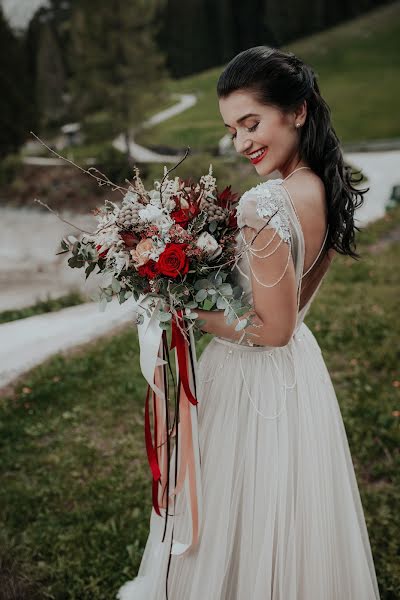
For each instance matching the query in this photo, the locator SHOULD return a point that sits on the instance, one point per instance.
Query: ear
(301, 113)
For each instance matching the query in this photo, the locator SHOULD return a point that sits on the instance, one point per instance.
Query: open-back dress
(282, 514)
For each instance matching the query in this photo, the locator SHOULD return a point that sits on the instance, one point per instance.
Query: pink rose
(141, 254)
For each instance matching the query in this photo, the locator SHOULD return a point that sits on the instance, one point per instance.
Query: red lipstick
(259, 158)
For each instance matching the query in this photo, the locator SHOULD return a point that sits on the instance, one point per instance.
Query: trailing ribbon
(153, 364)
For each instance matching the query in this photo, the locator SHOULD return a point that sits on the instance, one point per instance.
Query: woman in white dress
(282, 515)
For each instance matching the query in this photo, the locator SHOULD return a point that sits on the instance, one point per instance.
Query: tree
(16, 106)
(116, 65)
(51, 77)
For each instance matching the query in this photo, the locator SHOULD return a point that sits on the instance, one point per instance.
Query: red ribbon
(158, 453)
(179, 341)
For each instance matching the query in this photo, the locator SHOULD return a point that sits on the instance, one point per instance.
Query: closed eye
(250, 130)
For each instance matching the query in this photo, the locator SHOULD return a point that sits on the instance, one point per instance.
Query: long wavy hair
(282, 80)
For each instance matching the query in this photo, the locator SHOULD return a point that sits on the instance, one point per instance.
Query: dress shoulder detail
(264, 201)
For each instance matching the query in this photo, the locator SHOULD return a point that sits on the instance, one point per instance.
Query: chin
(264, 170)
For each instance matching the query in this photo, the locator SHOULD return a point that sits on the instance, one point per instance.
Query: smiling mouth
(255, 157)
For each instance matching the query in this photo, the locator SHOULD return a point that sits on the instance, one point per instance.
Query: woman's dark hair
(282, 80)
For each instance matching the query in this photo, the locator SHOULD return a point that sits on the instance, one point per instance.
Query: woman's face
(263, 134)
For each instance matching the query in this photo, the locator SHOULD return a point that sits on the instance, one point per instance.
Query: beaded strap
(270, 206)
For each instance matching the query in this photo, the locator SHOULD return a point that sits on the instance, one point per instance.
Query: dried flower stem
(61, 219)
(103, 180)
(172, 169)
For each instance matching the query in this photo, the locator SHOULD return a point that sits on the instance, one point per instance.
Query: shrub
(9, 167)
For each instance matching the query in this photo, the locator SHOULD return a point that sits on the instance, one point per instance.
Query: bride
(282, 515)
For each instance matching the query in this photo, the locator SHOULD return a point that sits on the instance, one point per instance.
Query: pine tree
(51, 77)
(16, 114)
(116, 65)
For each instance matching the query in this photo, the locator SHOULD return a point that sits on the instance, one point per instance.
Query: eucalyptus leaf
(192, 304)
(213, 300)
(192, 315)
(90, 268)
(221, 302)
(230, 318)
(164, 316)
(201, 284)
(237, 291)
(241, 325)
(201, 295)
(226, 289)
(115, 284)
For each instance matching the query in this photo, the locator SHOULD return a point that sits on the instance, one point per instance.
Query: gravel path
(28, 342)
(142, 154)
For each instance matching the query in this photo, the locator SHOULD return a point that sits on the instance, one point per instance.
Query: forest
(76, 58)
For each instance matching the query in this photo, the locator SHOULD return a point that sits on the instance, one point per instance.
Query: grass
(356, 63)
(75, 495)
(42, 306)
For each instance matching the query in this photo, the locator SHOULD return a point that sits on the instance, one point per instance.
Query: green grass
(357, 65)
(41, 307)
(75, 495)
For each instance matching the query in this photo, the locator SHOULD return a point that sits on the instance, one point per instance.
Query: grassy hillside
(75, 494)
(357, 64)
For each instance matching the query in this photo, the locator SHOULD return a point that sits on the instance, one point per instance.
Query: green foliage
(115, 63)
(16, 102)
(233, 25)
(51, 79)
(9, 167)
(349, 61)
(114, 164)
(97, 127)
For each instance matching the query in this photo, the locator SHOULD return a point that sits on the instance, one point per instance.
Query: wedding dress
(282, 514)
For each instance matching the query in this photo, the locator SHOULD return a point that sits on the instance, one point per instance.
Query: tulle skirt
(282, 514)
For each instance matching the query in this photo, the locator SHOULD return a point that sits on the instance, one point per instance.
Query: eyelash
(250, 130)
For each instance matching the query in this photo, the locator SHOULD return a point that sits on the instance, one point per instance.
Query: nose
(242, 143)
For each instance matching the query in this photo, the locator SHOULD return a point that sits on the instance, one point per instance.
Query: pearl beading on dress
(269, 205)
(268, 354)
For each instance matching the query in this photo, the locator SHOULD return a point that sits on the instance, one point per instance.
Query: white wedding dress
(282, 515)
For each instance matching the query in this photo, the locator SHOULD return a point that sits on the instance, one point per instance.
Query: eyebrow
(243, 118)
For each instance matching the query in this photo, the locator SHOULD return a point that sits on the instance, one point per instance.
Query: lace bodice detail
(265, 201)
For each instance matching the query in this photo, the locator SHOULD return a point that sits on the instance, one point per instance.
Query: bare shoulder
(307, 191)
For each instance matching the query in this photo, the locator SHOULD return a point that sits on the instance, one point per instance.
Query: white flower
(156, 216)
(130, 197)
(155, 198)
(150, 213)
(209, 244)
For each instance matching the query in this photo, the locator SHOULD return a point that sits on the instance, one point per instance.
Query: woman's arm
(274, 293)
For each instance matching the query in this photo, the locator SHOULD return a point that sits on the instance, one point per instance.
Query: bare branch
(61, 219)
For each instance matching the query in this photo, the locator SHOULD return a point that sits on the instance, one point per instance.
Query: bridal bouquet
(175, 242)
(173, 249)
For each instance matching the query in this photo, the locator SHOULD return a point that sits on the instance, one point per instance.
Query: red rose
(173, 261)
(149, 270)
(180, 217)
(102, 254)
